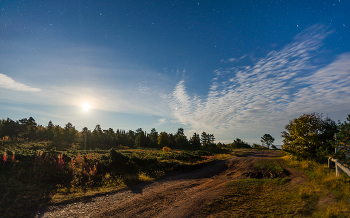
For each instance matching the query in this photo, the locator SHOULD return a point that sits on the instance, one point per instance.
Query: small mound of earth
(265, 174)
(244, 168)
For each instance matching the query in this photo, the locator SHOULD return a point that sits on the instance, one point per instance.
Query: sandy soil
(178, 195)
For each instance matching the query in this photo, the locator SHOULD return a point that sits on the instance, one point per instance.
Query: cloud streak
(8, 83)
(276, 88)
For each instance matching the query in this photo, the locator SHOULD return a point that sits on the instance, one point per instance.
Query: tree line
(27, 129)
(66, 137)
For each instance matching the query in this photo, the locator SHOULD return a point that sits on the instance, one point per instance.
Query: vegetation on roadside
(322, 195)
(34, 175)
(267, 139)
(310, 136)
(308, 142)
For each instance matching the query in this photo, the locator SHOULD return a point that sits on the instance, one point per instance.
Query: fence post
(336, 167)
(330, 163)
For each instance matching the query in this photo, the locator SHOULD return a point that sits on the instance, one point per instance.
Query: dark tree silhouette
(267, 139)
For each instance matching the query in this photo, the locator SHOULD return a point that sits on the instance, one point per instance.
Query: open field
(245, 183)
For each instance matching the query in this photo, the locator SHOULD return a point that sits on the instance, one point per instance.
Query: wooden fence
(338, 166)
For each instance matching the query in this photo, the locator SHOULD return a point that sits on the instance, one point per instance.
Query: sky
(235, 69)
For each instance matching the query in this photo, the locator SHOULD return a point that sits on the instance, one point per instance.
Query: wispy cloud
(8, 83)
(276, 88)
(233, 59)
(162, 121)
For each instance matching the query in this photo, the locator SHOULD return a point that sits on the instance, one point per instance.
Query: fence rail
(338, 166)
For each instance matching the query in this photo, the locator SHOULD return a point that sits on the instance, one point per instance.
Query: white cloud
(8, 83)
(233, 59)
(278, 87)
(162, 121)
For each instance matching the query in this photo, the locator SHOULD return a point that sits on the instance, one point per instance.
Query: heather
(33, 175)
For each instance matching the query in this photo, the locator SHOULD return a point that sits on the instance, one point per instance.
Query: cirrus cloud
(281, 86)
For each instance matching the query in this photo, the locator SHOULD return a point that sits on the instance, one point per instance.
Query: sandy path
(179, 195)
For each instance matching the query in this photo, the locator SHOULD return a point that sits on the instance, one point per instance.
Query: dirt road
(179, 195)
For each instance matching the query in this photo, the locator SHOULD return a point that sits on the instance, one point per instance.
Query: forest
(68, 137)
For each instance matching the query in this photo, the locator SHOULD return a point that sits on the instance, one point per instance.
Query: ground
(177, 195)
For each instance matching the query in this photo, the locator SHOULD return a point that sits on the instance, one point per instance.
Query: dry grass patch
(263, 198)
(322, 195)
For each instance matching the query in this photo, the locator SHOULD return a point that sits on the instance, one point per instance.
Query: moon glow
(86, 106)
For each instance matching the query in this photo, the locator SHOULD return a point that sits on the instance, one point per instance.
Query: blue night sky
(229, 68)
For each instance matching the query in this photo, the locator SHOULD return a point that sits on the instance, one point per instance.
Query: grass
(268, 164)
(241, 152)
(323, 178)
(323, 195)
(262, 198)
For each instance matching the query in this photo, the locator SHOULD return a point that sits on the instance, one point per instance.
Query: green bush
(238, 143)
(310, 137)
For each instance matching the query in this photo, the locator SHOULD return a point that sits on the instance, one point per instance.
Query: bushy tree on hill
(267, 139)
(239, 143)
(309, 136)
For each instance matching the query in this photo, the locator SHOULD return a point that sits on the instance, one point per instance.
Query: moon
(86, 106)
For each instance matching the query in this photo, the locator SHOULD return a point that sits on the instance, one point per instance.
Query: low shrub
(61, 175)
(166, 149)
